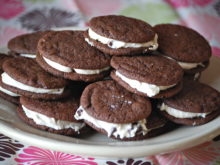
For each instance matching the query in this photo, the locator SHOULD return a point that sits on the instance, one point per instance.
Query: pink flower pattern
(10, 8)
(98, 7)
(37, 156)
(216, 51)
(208, 26)
(187, 3)
(203, 154)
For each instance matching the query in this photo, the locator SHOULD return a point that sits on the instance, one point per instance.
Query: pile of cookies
(121, 77)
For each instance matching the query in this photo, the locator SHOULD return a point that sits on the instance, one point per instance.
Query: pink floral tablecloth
(22, 16)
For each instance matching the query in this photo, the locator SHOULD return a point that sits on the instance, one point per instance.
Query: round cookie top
(109, 102)
(152, 69)
(70, 49)
(182, 43)
(122, 28)
(195, 97)
(26, 43)
(28, 72)
(59, 109)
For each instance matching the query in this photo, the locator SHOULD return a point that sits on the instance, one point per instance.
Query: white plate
(98, 145)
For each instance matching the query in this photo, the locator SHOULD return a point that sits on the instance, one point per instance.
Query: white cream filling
(180, 114)
(12, 82)
(116, 44)
(196, 76)
(88, 71)
(187, 65)
(51, 122)
(63, 68)
(89, 42)
(9, 92)
(28, 55)
(149, 89)
(57, 66)
(122, 130)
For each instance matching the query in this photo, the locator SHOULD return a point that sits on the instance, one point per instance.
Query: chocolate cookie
(152, 75)
(196, 104)
(109, 108)
(194, 77)
(25, 77)
(120, 35)
(185, 46)
(25, 45)
(156, 125)
(72, 58)
(53, 116)
(4, 93)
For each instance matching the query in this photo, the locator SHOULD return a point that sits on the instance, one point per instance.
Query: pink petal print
(70, 5)
(152, 159)
(178, 3)
(203, 154)
(205, 24)
(10, 8)
(6, 33)
(98, 7)
(187, 3)
(38, 156)
(216, 51)
(208, 26)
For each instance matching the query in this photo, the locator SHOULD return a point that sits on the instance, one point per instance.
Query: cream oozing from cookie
(180, 114)
(116, 44)
(89, 42)
(28, 55)
(196, 76)
(187, 65)
(63, 68)
(10, 93)
(6, 79)
(41, 119)
(127, 130)
(149, 89)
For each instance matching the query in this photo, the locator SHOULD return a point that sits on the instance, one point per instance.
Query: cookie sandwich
(196, 104)
(120, 35)
(67, 54)
(152, 76)
(112, 110)
(184, 45)
(52, 116)
(25, 45)
(4, 93)
(24, 76)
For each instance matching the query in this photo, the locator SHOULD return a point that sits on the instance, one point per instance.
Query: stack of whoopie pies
(153, 83)
(46, 101)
